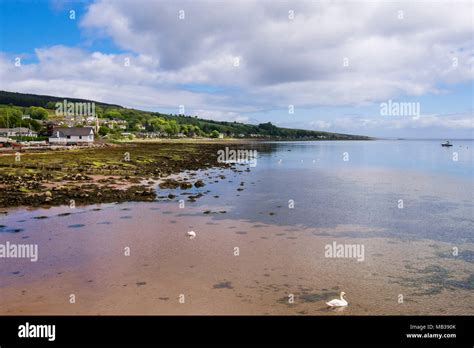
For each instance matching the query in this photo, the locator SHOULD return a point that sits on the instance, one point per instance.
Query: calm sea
(410, 189)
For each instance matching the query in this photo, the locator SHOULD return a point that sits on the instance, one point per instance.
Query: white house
(73, 135)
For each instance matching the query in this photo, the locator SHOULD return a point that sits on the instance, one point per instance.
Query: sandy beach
(84, 256)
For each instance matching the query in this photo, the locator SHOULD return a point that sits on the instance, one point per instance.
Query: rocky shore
(116, 173)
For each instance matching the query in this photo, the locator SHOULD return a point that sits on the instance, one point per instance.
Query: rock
(185, 185)
(169, 184)
(199, 183)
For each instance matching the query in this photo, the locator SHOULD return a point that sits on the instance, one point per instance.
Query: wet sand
(83, 254)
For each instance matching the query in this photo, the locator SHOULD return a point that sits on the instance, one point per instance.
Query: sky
(384, 69)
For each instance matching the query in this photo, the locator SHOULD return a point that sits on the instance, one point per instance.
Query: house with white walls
(72, 135)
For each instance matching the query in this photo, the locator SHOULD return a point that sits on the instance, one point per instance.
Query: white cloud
(217, 115)
(282, 61)
(71, 72)
(455, 121)
(320, 124)
(299, 61)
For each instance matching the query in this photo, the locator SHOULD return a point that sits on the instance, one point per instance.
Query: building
(115, 123)
(4, 141)
(17, 132)
(72, 135)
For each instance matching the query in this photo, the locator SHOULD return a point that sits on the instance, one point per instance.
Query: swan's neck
(342, 297)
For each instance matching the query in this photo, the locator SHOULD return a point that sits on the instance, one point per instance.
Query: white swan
(338, 302)
(191, 234)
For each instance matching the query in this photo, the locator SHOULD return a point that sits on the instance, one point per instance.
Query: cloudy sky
(325, 65)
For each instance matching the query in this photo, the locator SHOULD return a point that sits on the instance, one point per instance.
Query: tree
(38, 113)
(172, 128)
(32, 124)
(112, 114)
(184, 128)
(103, 131)
(214, 134)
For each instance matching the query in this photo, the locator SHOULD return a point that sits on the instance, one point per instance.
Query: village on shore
(70, 132)
(33, 121)
(78, 124)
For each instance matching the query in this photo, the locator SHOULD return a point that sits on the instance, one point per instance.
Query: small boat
(447, 144)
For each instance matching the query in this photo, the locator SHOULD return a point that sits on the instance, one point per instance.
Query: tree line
(42, 108)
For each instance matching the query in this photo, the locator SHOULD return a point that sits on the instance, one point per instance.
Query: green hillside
(41, 108)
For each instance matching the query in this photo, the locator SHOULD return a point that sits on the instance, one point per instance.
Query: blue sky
(420, 56)
(27, 25)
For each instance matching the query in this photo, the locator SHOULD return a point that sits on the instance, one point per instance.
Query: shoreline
(45, 177)
(118, 173)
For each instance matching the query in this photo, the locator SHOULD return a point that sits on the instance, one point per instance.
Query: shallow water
(281, 214)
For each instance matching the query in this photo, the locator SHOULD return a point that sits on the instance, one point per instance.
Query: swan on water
(191, 234)
(338, 302)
